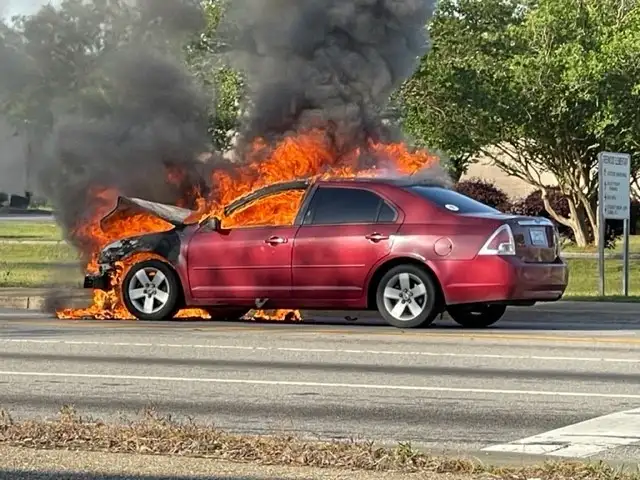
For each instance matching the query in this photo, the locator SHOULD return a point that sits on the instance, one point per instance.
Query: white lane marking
(582, 439)
(330, 351)
(362, 386)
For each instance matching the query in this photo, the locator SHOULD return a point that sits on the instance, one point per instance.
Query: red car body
(337, 250)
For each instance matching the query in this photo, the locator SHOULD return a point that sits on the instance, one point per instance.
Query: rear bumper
(507, 280)
(97, 282)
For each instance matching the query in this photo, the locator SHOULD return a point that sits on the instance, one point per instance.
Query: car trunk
(535, 237)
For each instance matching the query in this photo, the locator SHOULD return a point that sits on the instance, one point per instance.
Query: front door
(242, 264)
(345, 232)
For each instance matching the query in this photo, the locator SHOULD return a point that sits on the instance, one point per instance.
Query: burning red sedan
(409, 250)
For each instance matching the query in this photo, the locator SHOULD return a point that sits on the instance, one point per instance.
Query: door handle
(377, 237)
(275, 241)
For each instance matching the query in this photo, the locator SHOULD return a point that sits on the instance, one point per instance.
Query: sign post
(614, 185)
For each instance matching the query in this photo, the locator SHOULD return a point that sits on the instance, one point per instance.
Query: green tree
(451, 100)
(225, 84)
(549, 84)
(574, 90)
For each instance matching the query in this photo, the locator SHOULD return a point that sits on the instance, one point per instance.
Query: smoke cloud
(331, 64)
(325, 63)
(137, 114)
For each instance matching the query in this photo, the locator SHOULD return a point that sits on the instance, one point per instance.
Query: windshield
(451, 200)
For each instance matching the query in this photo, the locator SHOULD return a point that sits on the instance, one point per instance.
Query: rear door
(344, 232)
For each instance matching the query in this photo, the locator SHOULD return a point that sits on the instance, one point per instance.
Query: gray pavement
(441, 388)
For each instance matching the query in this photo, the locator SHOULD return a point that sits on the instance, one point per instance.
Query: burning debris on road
(320, 75)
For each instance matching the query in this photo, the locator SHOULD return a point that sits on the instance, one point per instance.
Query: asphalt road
(441, 388)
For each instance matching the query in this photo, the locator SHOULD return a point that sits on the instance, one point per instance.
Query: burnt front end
(97, 281)
(165, 245)
(107, 258)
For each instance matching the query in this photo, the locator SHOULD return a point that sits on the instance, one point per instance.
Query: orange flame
(307, 155)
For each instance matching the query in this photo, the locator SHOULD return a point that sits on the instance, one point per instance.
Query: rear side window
(451, 200)
(331, 206)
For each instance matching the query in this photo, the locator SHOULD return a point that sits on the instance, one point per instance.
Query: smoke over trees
(102, 97)
(101, 93)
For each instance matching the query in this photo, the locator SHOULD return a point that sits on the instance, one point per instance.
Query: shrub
(485, 192)
(3, 198)
(532, 205)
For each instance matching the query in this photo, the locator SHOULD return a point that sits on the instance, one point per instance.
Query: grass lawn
(634, 246)
(29, 265)
(38, 265)
(10, 230)
(583, 280)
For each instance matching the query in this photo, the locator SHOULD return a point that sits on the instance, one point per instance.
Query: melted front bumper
(97, 282)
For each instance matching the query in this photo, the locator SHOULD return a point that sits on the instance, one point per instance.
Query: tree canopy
(537, 87)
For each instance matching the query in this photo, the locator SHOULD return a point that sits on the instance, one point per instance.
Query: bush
(485, 192)
(532, 205)
(3, 198)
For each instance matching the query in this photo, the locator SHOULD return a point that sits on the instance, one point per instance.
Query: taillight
(501, 242)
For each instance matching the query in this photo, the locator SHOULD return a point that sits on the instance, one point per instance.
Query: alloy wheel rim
(149, 290)
(405, 296)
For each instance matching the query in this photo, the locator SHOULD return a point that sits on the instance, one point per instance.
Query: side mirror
(213, 223)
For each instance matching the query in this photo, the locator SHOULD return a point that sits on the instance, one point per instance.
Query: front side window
(279, 209)
(332, 206)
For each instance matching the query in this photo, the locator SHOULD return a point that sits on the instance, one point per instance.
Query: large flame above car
(303, 156)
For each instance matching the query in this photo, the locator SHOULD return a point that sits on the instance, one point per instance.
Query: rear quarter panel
(445, 241)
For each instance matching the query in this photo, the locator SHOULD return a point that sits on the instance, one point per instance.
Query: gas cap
(443, 247)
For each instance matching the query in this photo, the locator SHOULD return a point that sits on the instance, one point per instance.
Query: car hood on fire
(178, 217)
(129, 206)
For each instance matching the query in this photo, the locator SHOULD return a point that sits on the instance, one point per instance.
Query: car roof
(408, 181)
(303, 184)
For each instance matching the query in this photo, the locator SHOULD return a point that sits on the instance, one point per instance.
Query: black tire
(430, 303)
(476, 316)
(226, 314)
(173, 289)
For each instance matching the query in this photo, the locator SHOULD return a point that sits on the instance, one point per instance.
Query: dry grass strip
(160, 435)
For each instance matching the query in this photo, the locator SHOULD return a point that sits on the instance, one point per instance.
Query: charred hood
(129, 206)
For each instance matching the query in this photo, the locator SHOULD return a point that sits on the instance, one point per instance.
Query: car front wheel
(150, 291)
(407, 297)
(476, 316)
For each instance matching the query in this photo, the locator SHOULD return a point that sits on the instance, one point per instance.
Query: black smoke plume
(146, 114)
(331, 64)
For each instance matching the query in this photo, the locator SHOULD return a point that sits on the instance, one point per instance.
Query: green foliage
(540, 87)
(203, 58)
(450, 103)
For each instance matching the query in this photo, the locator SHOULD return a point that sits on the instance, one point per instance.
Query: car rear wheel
(226, 314)
(476, 316)
(407, 297)
(150, 291)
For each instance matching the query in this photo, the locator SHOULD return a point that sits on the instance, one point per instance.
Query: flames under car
(408, 250)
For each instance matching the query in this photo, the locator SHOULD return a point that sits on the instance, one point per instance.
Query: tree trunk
(578, 223)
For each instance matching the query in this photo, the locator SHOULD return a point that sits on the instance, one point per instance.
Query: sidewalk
(35, 299)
